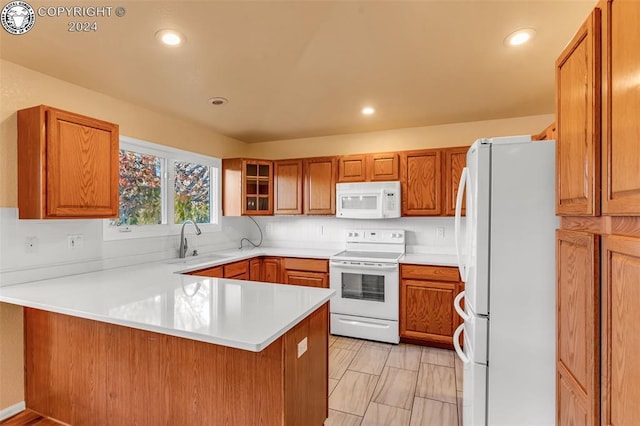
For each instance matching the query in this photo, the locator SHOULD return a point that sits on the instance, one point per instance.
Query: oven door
(365, 289)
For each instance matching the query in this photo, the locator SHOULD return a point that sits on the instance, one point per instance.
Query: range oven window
(363, 287)
(359, 202)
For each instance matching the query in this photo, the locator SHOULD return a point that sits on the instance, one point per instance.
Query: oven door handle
(365, 266)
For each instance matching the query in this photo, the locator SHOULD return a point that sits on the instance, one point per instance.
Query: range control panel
(380, 236)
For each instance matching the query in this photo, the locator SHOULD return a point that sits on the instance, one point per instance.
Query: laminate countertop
(157, 297)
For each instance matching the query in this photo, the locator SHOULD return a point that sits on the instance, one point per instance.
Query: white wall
(52, 257)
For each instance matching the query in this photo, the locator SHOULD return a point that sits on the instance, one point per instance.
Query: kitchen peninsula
(147, 344)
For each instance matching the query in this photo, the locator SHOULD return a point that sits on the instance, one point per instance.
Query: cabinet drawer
(309, 279)
(236, 268)
(312, 265)
(439, 273)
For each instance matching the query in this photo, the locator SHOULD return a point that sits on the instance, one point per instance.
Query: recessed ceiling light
(520, 37)
(368, 110)
(218, 101)
(170, 37)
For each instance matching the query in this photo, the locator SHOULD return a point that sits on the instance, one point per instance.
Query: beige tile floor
(372, 383)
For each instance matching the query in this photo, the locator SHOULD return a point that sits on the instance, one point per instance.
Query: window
(160, 188)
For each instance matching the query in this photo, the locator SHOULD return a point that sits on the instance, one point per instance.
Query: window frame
(167, 156)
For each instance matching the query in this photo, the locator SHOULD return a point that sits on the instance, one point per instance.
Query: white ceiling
(305, 68)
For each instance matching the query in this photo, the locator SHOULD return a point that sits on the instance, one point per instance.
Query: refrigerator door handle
(456, 344)
(458, 308)
(461, 187)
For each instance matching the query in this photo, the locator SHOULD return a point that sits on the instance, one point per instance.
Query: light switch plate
(302, 347)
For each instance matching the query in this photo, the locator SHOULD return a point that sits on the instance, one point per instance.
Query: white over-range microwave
(368, 200)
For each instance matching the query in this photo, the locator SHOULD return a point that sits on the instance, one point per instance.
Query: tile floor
(372, 383)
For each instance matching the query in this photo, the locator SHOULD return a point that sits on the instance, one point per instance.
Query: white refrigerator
(506, 255)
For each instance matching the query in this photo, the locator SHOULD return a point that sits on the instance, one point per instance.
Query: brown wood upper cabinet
(305, 186)
(352, 168)
(426, 304)
(67, 165)
(288, 184)
(320, 185)
(578, 122)
(421, 179)
(369, 167)
(247, 187)
(620, 124)
(549, 133)
(455, 159)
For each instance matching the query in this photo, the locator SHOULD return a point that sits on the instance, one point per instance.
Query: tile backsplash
(38, 249)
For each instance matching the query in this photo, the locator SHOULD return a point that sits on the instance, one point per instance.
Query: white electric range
(365, 277)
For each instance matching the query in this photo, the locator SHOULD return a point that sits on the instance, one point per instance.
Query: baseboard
(5, 413)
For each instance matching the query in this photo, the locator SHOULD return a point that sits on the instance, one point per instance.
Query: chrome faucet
(183, 241)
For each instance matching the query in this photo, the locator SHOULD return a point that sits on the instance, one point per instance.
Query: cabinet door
(235, 269)
(578, 123)
(271, 270)
(421, 183)
(383, 167)
(81, 167)
(621, 153)
(352, 168)
(320, 186)
(287, 175)
(621, 340)
(426, 311)
(257, 189)
(309, 279)
(455, 159)
(255, 269)
(577, 328)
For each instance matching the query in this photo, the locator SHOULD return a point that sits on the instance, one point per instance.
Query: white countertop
(157, 297)
(433, 259)
(239, 314)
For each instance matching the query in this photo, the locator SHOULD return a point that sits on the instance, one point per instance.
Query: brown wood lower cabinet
(240, 270)
(237, 270)
(215, 272)
(255, 269)
(273, 269)
(427, 315)
(621, 340)
(271, 272)
(309, 279)
(83, 372)
(577, 328)
(307, 272)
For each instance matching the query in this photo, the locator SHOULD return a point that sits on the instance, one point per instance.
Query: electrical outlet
(440, 232)
(302, 347)
(30, 244)
(75, 241)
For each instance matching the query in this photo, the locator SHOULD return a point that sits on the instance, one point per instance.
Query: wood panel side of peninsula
(79, 370)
